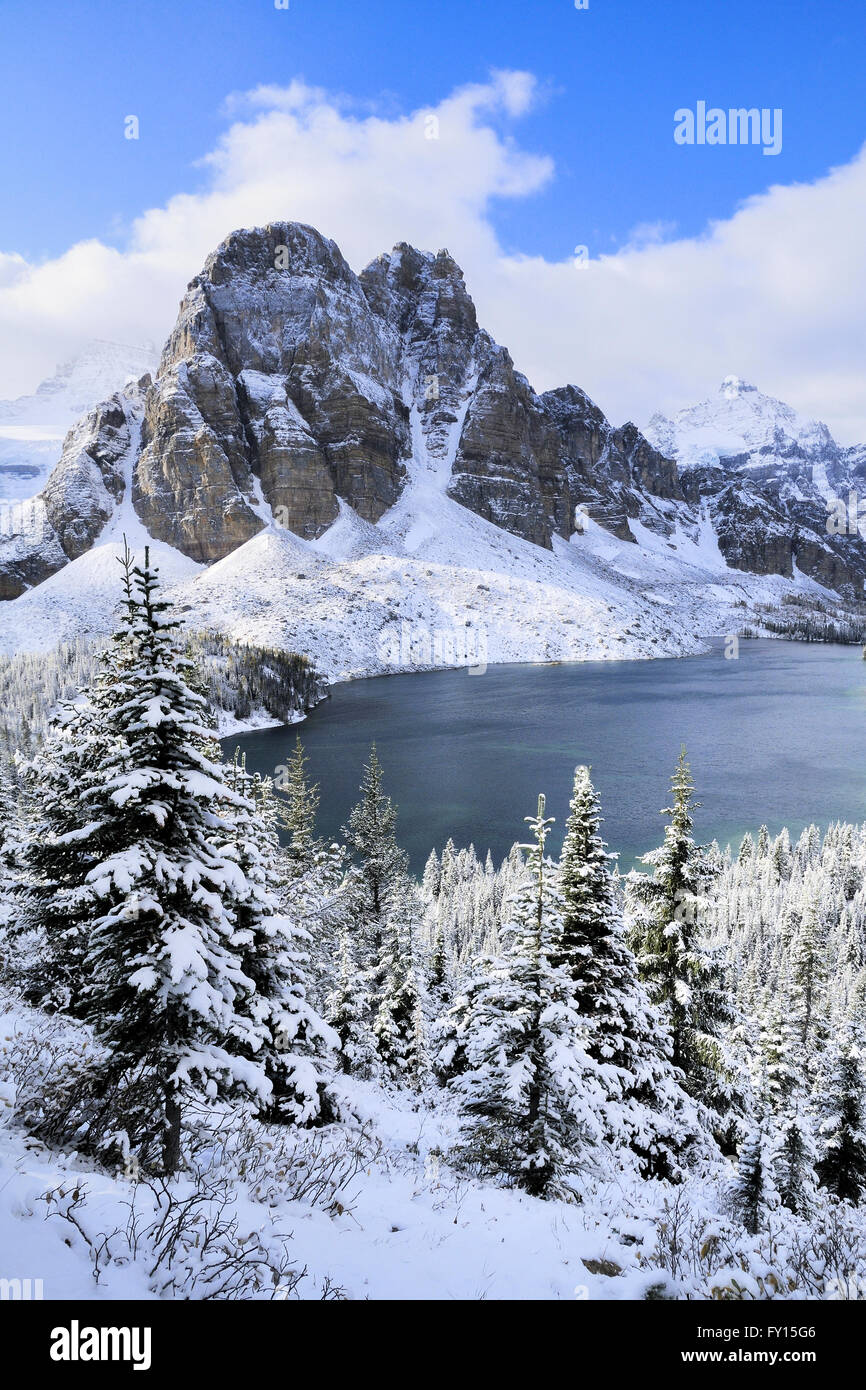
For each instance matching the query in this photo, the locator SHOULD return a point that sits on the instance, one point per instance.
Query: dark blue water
(777, 736)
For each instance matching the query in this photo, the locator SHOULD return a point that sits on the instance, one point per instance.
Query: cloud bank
(775, 293)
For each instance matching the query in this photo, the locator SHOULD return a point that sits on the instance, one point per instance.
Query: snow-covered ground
(409, 1229)
(368, 1208)
(432, 584)
(397, 1223)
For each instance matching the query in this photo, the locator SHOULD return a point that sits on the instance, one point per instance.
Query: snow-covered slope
(32, 428)
(371, 482)
(774, 482)
(431, 584)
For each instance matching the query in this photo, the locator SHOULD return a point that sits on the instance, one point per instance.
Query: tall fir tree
(753, 1194)
(529, 1092)
(647, 1109)
(348, 1009)
(684, 975)
(291, 1042)
(400, 1023)
(164, 907)
(807, 964)
(370, 836)
(63, 830)
(298, 810)
(841, 1166)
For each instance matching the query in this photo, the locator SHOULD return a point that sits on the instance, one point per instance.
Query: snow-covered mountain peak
(367, 429)
(32, 428)
(734, 386)
(740, 423)
(90, 376)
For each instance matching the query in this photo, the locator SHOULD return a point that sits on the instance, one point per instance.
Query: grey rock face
(88, 482)
(288, 370)
(769, 479)
(289, 383)
(278, 373)
(29, 549)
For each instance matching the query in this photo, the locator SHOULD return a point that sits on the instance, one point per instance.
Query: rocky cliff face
(289, 383)
(278, 376)
(290, 379)
(44, 534)
(771, 482)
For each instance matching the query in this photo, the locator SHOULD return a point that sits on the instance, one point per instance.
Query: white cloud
(775, 293)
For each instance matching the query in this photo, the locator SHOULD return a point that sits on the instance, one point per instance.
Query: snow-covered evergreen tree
(780, 1073)
(432, 875)
(154, 856)
(400, 1025)
(290, 1041)
(842, 1130)
(646, 1108)
(65, 829)
(529, 1093)
(807, 960)
(348, 1009)
(796, 1157)
(753, 1193)
(684, 974)
(782, 855)
(378, 859)
(298, 810)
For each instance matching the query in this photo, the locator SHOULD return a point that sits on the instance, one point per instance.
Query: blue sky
(613, 75)
(557, 130)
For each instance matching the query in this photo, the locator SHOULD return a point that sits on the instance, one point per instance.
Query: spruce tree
(348, 1010)
(529, 1091)
(165, 908)
(53, 908)
(781, 1075)
(841, 1164)
(795, 1158)
(289, 1040)
(298, 810)
(684, 975)
(753, 1193)
(432, 876)
(369, 835)
(781, 1094)
(400, 1023)
(647, 1110)
(164, 982)
(807, 963)
(64, 832)
(783, 856)
(309, 875)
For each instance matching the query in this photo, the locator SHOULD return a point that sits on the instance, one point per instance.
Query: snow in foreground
(369, 1209)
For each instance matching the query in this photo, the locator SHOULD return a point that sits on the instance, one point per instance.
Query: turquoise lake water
(776, 736)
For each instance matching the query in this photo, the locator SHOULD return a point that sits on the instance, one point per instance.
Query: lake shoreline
(465, 758)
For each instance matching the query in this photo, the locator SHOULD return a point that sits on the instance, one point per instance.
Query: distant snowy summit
(740, 422)
(32, 428)
(771, 479)
(99, 370)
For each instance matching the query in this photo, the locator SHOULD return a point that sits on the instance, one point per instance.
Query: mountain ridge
(332, 421)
